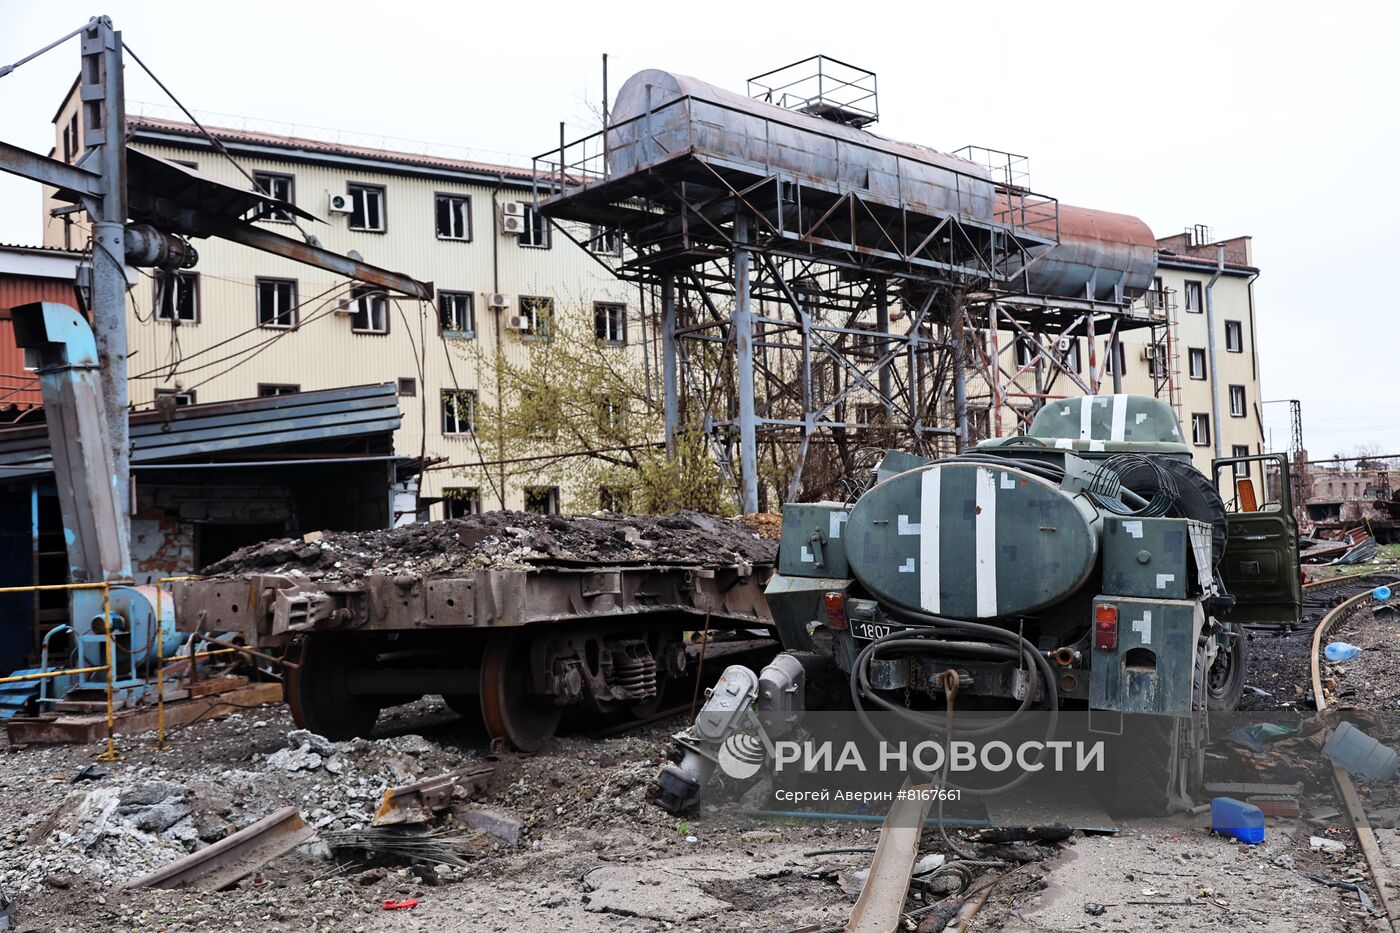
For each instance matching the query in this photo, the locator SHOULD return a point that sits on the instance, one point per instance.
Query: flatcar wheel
(510, 711)
(317, 693)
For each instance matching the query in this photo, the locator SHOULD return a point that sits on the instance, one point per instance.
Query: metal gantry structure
(818, 285)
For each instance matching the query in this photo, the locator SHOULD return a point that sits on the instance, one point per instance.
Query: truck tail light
(836, 612)
(1105, 627)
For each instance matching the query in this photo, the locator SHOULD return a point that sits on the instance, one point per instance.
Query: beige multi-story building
(1205, 290)
(244, 323)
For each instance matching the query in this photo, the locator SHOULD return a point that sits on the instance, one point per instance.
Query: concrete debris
(295, 759)
(501, 540)
(502, 825)
(1326, 845)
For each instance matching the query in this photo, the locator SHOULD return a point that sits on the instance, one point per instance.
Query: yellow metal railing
(111, 666)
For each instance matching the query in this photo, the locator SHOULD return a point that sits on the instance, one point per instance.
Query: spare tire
(1196, 497)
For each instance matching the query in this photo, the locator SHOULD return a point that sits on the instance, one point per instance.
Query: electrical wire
(452, 372)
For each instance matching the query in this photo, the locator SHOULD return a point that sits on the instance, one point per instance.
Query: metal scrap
(416, 803)
(234, 857)
(880, 905)
(437, 847)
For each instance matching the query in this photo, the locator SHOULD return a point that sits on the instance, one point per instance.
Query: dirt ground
(593, 854)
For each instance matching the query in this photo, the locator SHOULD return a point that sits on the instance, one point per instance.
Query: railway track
(1357, 591)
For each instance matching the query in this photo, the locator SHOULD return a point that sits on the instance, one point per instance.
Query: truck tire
(1224, 681)
(1150, 767)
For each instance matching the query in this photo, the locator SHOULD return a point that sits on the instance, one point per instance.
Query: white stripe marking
(1143, 627)
(930, 555)
(1065, 442)
(986, 531)
(1086, 415)
(1120, 418)
(837, 520)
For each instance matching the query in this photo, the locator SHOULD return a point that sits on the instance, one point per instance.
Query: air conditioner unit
(497, 301)
(346, 306)
(1064, 343)
(518, 322)
(513, 208)
(1149, 354)
(341, 204)
(512, 223)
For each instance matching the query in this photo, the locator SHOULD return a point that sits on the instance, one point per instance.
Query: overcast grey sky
(1276, 120)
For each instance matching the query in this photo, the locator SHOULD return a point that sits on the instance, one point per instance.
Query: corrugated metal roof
(135, 124)
(195, 431)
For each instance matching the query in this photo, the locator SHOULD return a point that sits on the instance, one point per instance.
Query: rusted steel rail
(222, 864)
(1365, 835)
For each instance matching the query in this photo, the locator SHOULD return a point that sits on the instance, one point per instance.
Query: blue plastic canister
(1243, 821)
(1381, 592)
(1360, 754)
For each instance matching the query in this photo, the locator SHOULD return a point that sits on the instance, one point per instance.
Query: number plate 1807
(869, 631)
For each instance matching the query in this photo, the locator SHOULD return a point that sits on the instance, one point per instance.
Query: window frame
(472, 497)
(456, 417)
(604, 240)
(278, 217)
(1196, 287)
(350, 188)
(551, 494)
(438, 197)
(177, 394)
(180, 275)
(1191, 355)
(1111, 359)
(410, 383)
(277, 389)
(1238, 328)
(533, 218)
(607, 308)
(1196, 439)
(1244, 401)
(1240, 450)
(541, 327)
(471, 312)
(294, 310)
(364, 298)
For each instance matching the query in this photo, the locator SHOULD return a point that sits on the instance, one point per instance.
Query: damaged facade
(465, 226)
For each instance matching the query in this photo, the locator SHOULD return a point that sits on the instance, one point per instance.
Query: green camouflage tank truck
(1087, 565)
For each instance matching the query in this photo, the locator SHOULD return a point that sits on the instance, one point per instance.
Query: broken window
(1200, 429)
(454, 220)
(1234, 337)
(1196, 362)
(610, 323)
(614, 499)
(543, 500)
(1237, 403)
(606, 241)
(458, 411)
(177, 296)
(367, 208)
(456, 314)
(1240, 450)
(182, 397)
(371, 315)
(536, 317)
(1114, 358)
(276, 186)
(460, 501)
(536, 232)
(612, 415)
(277, 302)
(1194, 302)
(1025, 350)
(408, 388)
(271, 389)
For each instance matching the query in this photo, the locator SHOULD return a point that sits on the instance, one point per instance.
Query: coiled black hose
(1008, 645)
